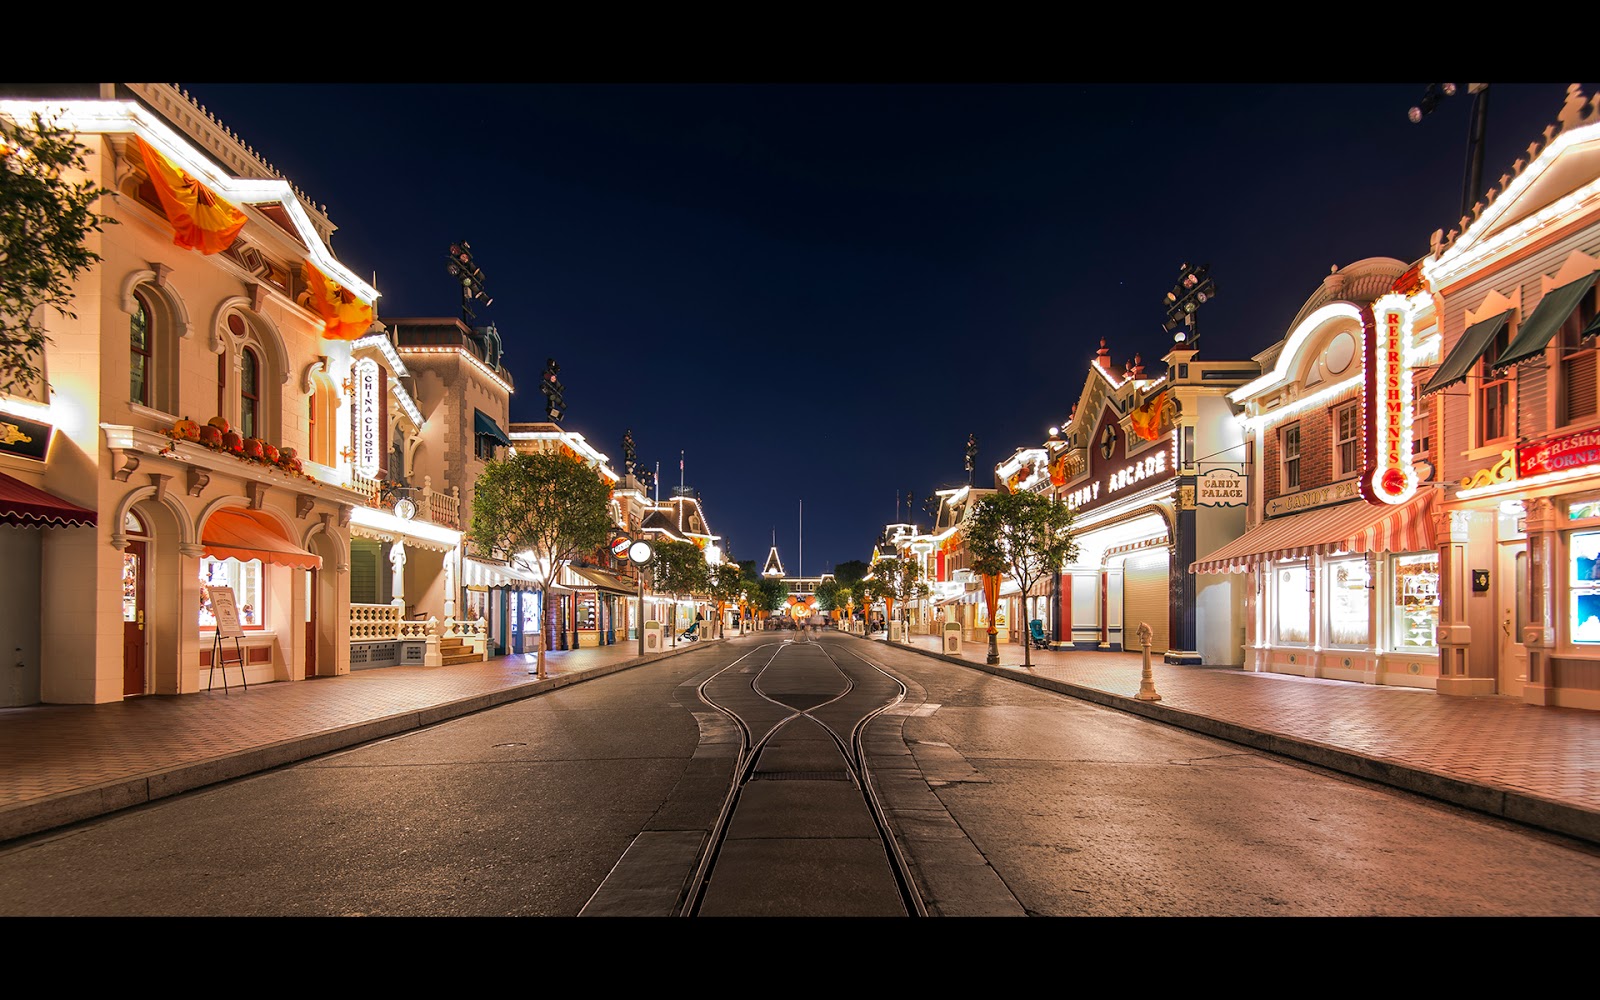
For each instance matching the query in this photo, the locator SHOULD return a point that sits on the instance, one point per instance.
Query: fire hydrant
(1147, 684)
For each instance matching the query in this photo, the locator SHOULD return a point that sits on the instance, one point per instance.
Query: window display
(1348, 616)
(1583, 567)
(244, 578)
(1416, 601)
(1294, 604)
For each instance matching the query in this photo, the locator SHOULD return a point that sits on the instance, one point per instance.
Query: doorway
(1513, 607)
(134, 570)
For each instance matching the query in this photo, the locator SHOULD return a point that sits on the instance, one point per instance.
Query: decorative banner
(1570, 451)
(1223, 488)
(1154, 416)
(23, 437)
(200, 220)
(367, 412)
(345, 316)
(1387, 474)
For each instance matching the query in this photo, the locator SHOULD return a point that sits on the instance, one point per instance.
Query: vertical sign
(1388, 476)
(368, 411)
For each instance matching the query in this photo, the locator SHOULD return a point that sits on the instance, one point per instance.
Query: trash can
(894, 631)
(652, 637)
(952, 638)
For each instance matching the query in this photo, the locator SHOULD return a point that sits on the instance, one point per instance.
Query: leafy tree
(725, 582)
(45, 221)
(851, 572)
(828, 595)
(1026, 536)
(539, 511)
(770, 594)
(896, 581)
(679, 569)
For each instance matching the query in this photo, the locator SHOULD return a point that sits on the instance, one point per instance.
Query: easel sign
(227, 615)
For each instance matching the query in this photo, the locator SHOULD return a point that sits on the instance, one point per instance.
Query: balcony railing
(432, 505)
(383, 623)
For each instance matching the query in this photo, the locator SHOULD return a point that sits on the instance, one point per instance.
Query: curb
(1502, 803)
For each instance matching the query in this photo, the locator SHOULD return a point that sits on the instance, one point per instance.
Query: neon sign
(1388, 476)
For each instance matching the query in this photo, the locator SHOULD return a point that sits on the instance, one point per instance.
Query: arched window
(249, 394)
(324, 429)
(140, 351)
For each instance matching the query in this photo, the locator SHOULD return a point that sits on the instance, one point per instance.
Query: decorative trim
(303, 502)
(199, 479)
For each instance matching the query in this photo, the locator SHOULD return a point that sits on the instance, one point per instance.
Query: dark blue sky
(817, 291)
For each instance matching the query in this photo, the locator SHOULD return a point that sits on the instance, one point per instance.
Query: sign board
(226, 611)
(23, 437)
(619, 546)
(1321, 496)
(1222, 488)
(1388, 477)
(1570, 451)
(368, 411)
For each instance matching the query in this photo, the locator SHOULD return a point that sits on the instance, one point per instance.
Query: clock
(1108, 441)
(640, 552)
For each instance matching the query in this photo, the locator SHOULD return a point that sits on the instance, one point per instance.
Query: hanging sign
(1388, 477)
(225, 610)
(23, 437)
(1222, 488)
(368, 411)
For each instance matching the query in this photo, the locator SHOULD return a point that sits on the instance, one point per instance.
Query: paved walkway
(1540, 766)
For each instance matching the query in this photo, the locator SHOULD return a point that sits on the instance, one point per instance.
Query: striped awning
(1351, 527)
(477, 572)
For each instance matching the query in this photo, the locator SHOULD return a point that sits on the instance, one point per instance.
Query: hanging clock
(1108, 441)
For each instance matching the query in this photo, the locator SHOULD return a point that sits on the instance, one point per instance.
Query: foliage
(539, 511)
(896, 582)
(828, 595)
(851, 572)
(1026, 536)
(679, 568)
(45, 221)
(725, 582)
(770, 594)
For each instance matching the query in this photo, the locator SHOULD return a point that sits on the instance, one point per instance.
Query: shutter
(1146, 597)
(1581, 397)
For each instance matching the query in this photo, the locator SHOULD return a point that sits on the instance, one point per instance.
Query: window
(244, 578)
(139, 351)
(1347, 427)
(1583, 586)
(1348, 616)
(1580, 390)
(1293, 598)
(1494, 393)
(249, 394)
(1421, 421)
(1414, 613)
(486, 447)
(1289, 446)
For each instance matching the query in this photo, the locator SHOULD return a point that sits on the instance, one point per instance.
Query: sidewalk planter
(952, 638)
(652, 637)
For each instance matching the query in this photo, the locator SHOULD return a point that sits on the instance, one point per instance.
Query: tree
(679, 569)
(769, 594)
(896, 581)
(45, 222)
(538, 511)
(725, 581)
(1026, 536)
(851, 572)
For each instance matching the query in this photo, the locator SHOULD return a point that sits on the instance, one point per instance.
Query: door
(312, 595)
(133, 614)
(1512, 606)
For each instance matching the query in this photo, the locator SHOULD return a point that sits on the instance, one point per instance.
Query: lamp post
(640, 553)
(1194, 289)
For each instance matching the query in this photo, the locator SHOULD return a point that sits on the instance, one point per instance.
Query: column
(1455, 585)
(1539, 635)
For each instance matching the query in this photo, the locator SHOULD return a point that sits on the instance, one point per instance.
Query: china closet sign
(1570, 451)
(367, 414)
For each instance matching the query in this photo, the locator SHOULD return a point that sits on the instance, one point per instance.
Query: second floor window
(1347, 425)
(1494, 394)
(139, 351)
(1580, 386)
(249, 394)
(1289, 445)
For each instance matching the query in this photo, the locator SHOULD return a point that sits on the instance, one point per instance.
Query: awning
(1349, 527)
(236, 533)
(608, 582)
(30, 507)
(484, 424)
(1547, 318)
(1466, 353)
(480, 573)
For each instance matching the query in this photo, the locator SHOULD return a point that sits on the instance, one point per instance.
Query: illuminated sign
(368, 411)
(23, 437)
(1388, 476)
(1153, 466)
(1222, 488)
(1570, 451)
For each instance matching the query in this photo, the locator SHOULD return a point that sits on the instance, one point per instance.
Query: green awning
(1467, 351)
(1547, 318)
(486, 426)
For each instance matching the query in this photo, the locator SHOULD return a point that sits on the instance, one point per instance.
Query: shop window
(1293, 601)
(244, 578)
(1348, 603)
(1414, 613)
(1583, 586)
(1580, 381)
(1289, 448)
(1493, 397)
(1347, 429)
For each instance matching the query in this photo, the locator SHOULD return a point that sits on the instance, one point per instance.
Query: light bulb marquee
(1388, 476)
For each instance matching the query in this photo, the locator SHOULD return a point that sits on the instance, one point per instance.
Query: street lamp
(1194, 289)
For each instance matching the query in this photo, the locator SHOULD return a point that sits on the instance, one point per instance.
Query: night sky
(816, 292)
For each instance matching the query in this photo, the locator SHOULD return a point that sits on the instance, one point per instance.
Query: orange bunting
(346, 316)
(200, 220)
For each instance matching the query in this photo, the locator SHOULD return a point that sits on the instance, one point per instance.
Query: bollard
(1147, 684)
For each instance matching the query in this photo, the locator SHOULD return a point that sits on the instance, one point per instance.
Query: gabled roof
(774, 566)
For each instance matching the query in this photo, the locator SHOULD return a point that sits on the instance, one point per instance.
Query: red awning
(30, 507)
(236, 533)
(1350, 527)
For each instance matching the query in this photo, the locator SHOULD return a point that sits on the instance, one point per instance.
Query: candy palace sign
(1555, 454)
(1222, 488)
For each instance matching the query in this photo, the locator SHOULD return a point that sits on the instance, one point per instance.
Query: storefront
(509, 598)
(27, 514)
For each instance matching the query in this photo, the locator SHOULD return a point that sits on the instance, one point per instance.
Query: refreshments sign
(1388, 477)
(1570, 451)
